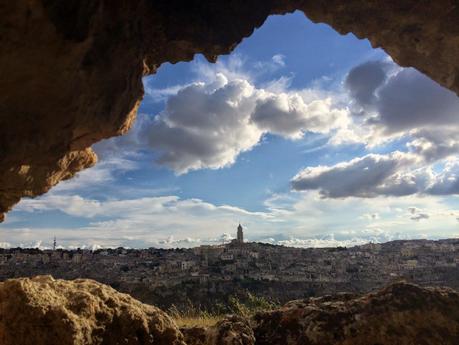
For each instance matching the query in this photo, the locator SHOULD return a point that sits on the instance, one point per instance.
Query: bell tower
(240, 234)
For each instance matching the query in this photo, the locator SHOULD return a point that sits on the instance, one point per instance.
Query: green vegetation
(250, 305)
(192, 315)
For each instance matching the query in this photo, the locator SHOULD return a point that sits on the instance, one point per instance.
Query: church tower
(240, 234)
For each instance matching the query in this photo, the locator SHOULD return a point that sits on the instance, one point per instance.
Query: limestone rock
(233, 330)
(401, 314)
(196, 335)
(45, 311)
(71, 71)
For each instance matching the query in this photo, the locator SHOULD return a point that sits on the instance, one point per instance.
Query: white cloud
(279, 59)
(390, 102)
(235, 67)
(447, 181)
(367, 176)
(161, 95)
(435, 144)
(387, 103)
(328, 241)
(297, 219)
(105, 171)
(143, 221)
(397, 174)
(309, 215)
(364, 79)
(207, 125)
(288, 115)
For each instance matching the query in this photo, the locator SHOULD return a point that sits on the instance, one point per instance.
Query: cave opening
(297, 124)
(300, 138)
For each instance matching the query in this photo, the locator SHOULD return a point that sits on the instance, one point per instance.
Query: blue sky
(307, 137)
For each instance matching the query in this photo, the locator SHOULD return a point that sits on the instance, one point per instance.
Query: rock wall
(70, 71)
(45, 311)
(402, 314)
(233, 330)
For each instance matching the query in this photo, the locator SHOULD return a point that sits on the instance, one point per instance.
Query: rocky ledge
(234, 330)
(47, 311)
(43, 310)
(402, 314)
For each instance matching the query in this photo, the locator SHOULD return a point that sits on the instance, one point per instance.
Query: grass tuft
(192, 315)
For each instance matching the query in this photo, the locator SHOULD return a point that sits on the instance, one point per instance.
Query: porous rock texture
(401, 314)
(71, 70)
(45, 311)
(233, 330)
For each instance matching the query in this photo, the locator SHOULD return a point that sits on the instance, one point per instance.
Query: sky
(306, 137)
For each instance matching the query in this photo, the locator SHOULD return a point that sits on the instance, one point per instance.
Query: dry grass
(195, 316)
(198, 321)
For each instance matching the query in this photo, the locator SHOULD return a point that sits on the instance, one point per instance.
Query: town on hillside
(215, 272)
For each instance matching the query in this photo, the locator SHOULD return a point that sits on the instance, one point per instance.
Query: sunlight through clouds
(323, 143)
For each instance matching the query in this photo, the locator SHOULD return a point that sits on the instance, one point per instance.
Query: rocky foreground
(43, 310)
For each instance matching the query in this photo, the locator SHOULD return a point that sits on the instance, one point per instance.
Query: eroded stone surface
(45, 311)
(70, 71)
(233, 330)
(401, 314)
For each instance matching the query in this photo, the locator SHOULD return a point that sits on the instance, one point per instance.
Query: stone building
(240, 234)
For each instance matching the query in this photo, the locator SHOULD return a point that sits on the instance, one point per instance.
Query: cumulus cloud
(411, 100)
(289, 115)
(399, 99)
(207, 125)
(363, 81)
(367, 176)
(161, 94)
(396, 174)
(447, 180)
(389, 102)
(435, 144)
